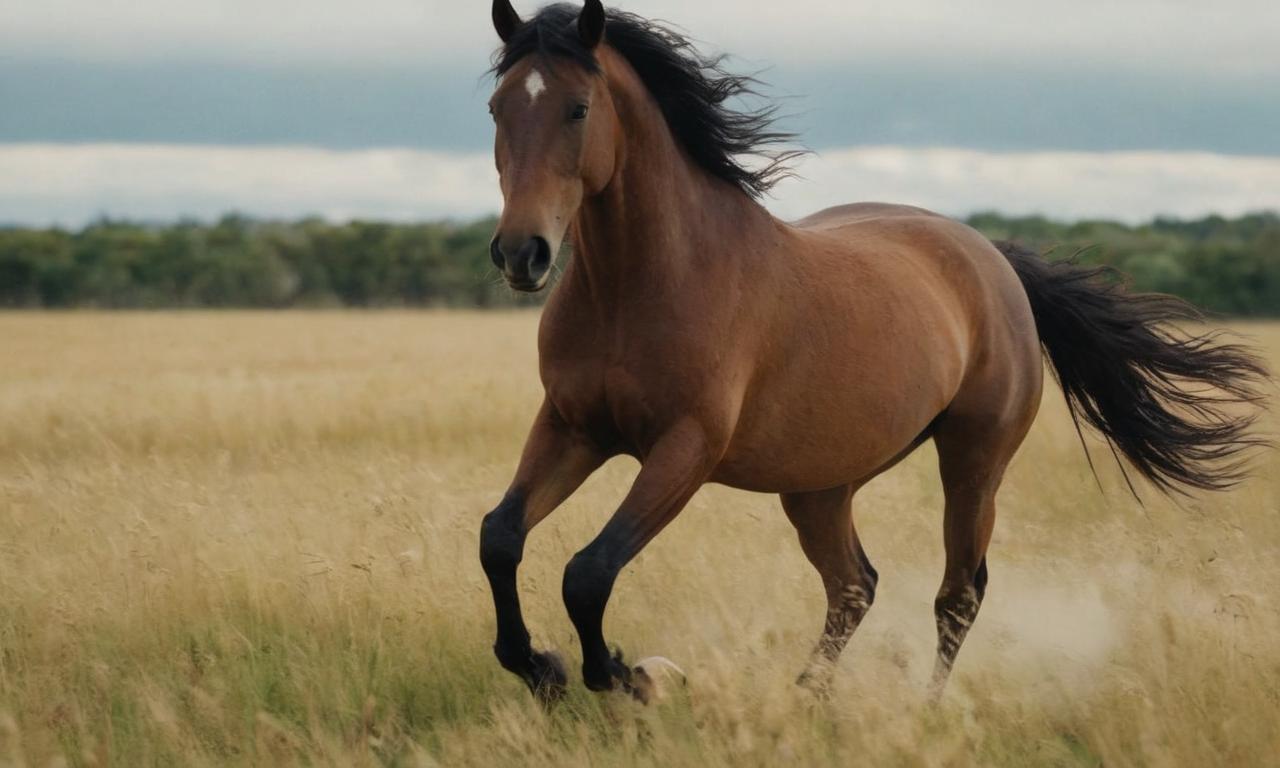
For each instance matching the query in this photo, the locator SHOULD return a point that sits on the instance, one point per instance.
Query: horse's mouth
(527, 286)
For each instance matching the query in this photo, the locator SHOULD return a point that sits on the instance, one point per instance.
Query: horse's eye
(579, 112)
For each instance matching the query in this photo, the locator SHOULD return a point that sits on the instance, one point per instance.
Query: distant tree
(1230, 266)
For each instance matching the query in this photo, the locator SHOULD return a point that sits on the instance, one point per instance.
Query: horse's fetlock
(513, 656)
(608, 675)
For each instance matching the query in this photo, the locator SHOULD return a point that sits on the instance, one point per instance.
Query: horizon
(463, 222)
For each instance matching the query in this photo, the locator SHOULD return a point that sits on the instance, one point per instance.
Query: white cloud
(1182, 35)
(1130, 186)
(71, 184)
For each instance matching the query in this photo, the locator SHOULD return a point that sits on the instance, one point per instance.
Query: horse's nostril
(541, 260)
(524, 265)
(495, 254)
(532, 261)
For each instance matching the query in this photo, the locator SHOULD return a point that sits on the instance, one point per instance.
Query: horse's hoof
(655, 677)
(549, 678)
(817, 682)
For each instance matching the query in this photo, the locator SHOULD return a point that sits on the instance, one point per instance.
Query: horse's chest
(608, 402)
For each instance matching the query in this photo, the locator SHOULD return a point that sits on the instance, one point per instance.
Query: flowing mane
(692, 90)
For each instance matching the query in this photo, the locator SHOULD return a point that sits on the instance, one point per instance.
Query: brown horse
(715, 343)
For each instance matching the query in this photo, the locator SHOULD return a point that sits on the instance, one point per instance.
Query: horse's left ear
(591, 23)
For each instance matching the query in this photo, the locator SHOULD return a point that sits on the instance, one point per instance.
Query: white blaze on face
(535, 85)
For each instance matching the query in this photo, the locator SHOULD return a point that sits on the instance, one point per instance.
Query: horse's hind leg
(824, 522)
(970, 514)
(973, 451)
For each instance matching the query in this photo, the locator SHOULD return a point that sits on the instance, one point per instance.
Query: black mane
(691, 89)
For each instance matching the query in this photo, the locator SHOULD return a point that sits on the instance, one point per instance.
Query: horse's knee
(588, 580)
(502, 536)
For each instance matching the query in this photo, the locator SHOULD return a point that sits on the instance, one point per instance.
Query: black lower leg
(588, 582)
(502, 537)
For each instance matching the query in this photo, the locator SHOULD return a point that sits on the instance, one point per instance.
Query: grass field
(251, 539)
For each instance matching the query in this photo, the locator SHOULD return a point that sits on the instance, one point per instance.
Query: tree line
(1229, 266)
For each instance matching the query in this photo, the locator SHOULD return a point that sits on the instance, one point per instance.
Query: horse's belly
(811, 456)
(831, 423)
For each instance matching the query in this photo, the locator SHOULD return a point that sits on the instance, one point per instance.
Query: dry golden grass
(250, 538)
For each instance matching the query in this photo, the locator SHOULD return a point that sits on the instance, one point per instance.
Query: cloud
(1185, 35)
(353, 107)
(72, 184)
(990, 74)
(1129, 186)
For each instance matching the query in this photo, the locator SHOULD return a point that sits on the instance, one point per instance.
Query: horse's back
(906, 242)
(852, 213)
(892, 239)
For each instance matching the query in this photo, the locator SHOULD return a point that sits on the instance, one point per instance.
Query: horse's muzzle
(525, 269)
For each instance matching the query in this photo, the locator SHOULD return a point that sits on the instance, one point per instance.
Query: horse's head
(556, 133)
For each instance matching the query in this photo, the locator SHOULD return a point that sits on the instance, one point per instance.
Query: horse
(714, 343)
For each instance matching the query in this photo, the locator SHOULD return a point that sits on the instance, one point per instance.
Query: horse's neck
(663, 224)
(640, 232)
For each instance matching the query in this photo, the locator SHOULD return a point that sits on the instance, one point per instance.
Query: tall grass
(250, 539)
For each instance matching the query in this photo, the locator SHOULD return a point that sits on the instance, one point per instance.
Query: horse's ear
(591, 23)
(505, 19)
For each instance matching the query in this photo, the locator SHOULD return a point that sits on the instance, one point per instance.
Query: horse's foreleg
(824, 522)
(554, 463)
(672, 472)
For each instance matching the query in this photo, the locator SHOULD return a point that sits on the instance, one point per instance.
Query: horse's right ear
(591, 23)
(505, 19)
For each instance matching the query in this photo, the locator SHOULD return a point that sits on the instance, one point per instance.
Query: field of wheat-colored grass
(251, 539)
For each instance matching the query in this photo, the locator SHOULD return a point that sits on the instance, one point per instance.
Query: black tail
(1177, 405)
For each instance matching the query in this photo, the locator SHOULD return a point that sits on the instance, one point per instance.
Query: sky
(283, 108)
